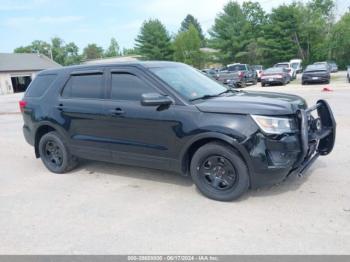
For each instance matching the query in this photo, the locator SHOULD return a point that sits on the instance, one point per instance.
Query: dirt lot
(104, 208)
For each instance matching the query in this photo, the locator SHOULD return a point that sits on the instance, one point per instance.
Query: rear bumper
(274, 160)
(320, 79)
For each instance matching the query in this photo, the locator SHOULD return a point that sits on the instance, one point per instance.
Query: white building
(18, 70)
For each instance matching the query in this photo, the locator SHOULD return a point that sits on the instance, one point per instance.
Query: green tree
(191, 20)
(279, 35)
(72, 56)
(340, 41)
(92, 51)
(228, 32)
(36, 46)
(256, 18)
(129, 51)
(153, 42)
(187, 47)
(58, 50)
(113, 49)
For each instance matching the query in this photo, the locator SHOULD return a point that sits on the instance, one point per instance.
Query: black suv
(170, 116)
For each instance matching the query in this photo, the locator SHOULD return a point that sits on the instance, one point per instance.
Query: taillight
(22, 105)
(240, 73)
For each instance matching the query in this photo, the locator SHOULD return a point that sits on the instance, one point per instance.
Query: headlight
(275, 125)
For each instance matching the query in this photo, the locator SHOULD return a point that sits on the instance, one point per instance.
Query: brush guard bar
(317, 135)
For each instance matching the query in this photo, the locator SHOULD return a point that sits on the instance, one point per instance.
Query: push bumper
(317, 135)
(274, 160)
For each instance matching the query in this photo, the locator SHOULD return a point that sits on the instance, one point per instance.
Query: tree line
(241, 33)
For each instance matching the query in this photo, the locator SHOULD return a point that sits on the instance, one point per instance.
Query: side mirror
(155, 99)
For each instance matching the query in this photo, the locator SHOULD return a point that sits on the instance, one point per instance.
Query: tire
(219, 172)
(243, 84)
(55, 154)
(263, 84)
(304, 83)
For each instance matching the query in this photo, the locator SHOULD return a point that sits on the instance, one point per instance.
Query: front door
(139, 135)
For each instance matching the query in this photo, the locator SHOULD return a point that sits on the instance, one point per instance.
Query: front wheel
(55, 154)
(219, 172)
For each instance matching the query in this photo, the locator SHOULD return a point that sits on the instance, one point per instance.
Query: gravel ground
(102, 208)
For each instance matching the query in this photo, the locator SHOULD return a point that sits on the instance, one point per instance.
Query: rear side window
(39, 85)
(84, 86)
(128, 87)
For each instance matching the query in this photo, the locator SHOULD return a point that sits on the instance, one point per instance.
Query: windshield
(273, 70)
(257, 67)
(316, 67)
(282, 65)
(238, 67)
(295, 65)
(188, 82)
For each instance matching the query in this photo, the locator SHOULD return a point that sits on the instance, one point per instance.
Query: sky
(87, 21)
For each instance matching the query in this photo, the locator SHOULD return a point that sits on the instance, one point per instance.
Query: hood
(260, 103)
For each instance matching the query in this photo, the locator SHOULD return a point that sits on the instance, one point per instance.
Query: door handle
(60, 107)
(117, 111)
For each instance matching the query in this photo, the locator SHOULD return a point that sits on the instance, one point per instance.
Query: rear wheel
(242, 84)
(219, 173)
(262, 84)
(55, 154)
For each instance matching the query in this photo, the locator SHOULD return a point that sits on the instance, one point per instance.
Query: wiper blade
(211, 96)
(228, 91)
(203, 97)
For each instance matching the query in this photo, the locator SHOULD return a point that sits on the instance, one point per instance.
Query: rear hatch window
(39, 85)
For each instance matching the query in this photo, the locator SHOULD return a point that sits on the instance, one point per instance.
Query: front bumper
(275, 159)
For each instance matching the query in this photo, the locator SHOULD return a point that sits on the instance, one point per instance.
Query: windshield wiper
(203, 97)
(211, 96)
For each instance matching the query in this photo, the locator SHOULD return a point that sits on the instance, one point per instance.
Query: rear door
(81, 105)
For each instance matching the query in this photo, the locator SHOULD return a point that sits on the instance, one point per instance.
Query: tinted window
(84, 86)
(39, 85)
(274, 70)
(236, 68)
(128, 87)
(282, 65)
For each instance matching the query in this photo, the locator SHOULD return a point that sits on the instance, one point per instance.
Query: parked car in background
(290, 70)
(241, 74)
(334, 66)
(169, 116)
(316, 73)
(326, 64)
(210, 72)
(259, 69)
(348, 73)
(274, 75)
(296, 65)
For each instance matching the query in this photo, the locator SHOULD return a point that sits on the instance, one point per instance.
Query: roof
(145, 64)
(25, 62)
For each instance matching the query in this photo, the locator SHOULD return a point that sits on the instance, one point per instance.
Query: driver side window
(127, 86)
